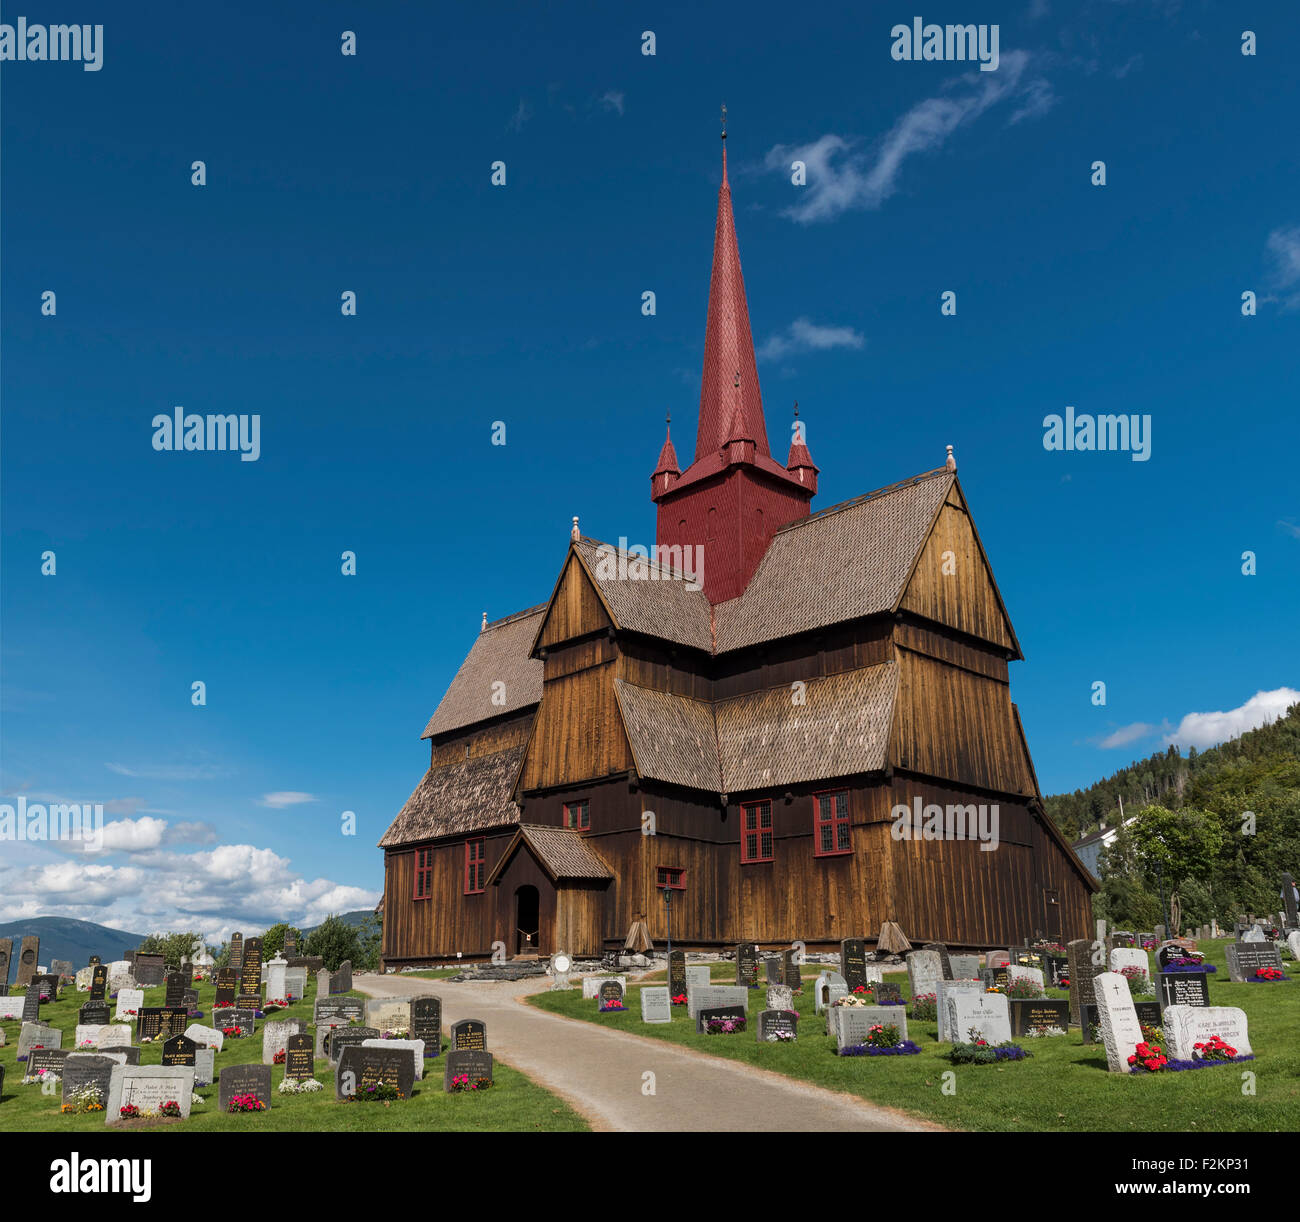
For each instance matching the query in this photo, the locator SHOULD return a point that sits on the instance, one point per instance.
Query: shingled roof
(470, 795)
(562, 853)
(499, 654)
(762, 739)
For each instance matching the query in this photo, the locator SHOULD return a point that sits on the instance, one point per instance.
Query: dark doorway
(527, 907)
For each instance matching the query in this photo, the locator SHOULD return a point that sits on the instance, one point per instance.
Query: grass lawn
(1064, 1086)
(514, 1104)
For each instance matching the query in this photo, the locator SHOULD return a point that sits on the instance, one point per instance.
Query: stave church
(784, 723)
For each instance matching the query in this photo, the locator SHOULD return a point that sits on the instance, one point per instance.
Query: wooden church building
(775, 728)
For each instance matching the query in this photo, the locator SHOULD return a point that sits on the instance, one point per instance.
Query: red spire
(800, 463)
(728, 344)
(666, 469)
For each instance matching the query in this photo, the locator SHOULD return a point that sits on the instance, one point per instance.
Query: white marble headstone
(1020, 971)
(988, 1013)
(11, 1007)
(1120, 1030)
(924, 968)
(1129, 956)
(1293, 943)
(1187, 1026)
(128, 999)
(205, 1035)
(416, 1048)
(149, 1087)
(944, 990)
(275, 1036)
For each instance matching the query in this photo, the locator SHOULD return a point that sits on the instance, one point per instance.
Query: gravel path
(602, 1073)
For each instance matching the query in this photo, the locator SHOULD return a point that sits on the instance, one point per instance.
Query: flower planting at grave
(1189, 963)
(246, 1103)
(1035, 1033)
(976, 1050)
(1139, 983)
(883, 1040)
(279, 1057)
(400, 1034)
(1148, 1058)
(88, 1099)
(610, 1006)
(925, 1006)
(462, 1083)
(235, 1033)
(1024, 989)
(1267, 975)
(130, 1112)
(307, 1086)
(680, 999)
(724, 1026)
(852, 1000)
(170, 1108)
(1213, 1049)
(378, 1092)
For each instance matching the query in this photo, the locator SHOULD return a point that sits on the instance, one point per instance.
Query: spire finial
(724, 120)
(574, 533)
(483, 625)
(796, 409)
(951, 463)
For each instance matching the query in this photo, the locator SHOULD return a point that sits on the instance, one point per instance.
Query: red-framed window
(423, 886)
(475, 866)
(756, 832)
(670, 878)
(831, 826)
(577, 815)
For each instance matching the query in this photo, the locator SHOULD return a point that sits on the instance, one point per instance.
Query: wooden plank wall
(485, 740)
(576, 608)
(579, 732)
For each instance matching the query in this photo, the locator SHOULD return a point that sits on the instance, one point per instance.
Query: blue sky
(522, 304)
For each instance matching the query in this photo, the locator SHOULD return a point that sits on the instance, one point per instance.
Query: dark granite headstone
(469, 1033)
(1038, 1013)
(1246, 958)
(46, 1060)
(945, 963)
(853, 962)
(6, 956)
(148, 970)
(175, 984)
(47, 984)
(98, 982)
(702, 1016)
(1149, 1013)
(248, 1001)
(746, 964)
(1289, 902)
(361, 1069)
(772, 1023)
(248, 1079)
(677, 974)
(237, 953)
(245, 1020)
(426, 1023)
(31, 1005)
(774, 970)
(1056, 970)
(190, 1000)
(610, 990)
(299, 1059)
(339, 1009)
(290, 944)
(94, 1014)
(790, 968)
(886, 991)
(161, 1022)
(82, 1070)
(345, 1037)
(1082, 970)
(1121, 938)
(179, 1050)
(250, 976)
(227, 982)
(473, 1063)
(1183, 988)
(341, 981)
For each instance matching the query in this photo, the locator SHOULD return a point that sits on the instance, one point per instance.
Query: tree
(334, 941)
(1182, 845)
(273, 939)
(371, 938)
(175, 948)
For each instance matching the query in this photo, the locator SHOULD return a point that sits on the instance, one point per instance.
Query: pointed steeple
(800, 463)
(666, 469)
(728, 343)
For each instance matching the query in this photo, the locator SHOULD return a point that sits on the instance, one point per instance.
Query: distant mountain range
(355, 919)
(66, 938)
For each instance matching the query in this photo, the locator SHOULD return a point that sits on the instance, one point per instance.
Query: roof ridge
(518, 615)
(675, 574)
(887, 490)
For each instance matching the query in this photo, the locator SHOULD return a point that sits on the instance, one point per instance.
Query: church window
(756, 832)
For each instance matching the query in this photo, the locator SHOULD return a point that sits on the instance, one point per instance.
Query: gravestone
(697, 975)
(1120, 1030)
(772, 1024)
(93, 1014)
(245, 1020)
(1056, 971)
(208, 1036)
(334, 1040)
(853, 962)
(190, 1000)
(924, 969)
(119, 976)
(780, 997)
(426, 1023)
(161, 1022)
(1184, 988)
(11, 1008)
(1121, 938)
(988, 1013)
(715, 995)
(275, 978)
(205, 1072)
(887, 991)
(475, 1064)
(290, 944)
(943, 990)
(46, 1061)
(32, 1004)
(1168, 951)
(792, 978)
(945, 960)
(850, 1025)
(148, 1087)
(98, 982)
(389, 1013)
(824, 988)
(1018, 971)
(1039, 1014)
(46, 984)
(1187, 1026)
(243, 1079)
(322, 983)
(295, 983)
(338, 1009)
(704, 1014)
(656, 1005)
(61, 968)
(610, 991)
(341, 981)
(1289, 902)
(227, 982)
(1245, 959)
(591, 985)
(180, 1050)
(361, 1068)
(965, 967)
(469, 1033)
(149, 970)
(237, 953)
(112, 1035)
(1082, 973)
(251, 1002)
(174, 985)
(1149, 1013)
(746, 964)
(299, 1061)
(84, 977)
(275, 1037)
(250, 973)
(82, 1071)
(997, 958)
(1293, 943)
(27, 964)
(677, 973)
(32, 1035)
(414, 1047)
(1122, 957)
(311, 964)
(6, 956)
(773, 971)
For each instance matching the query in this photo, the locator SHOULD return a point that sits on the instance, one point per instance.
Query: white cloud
(285, 797)
(168, 772)
(842, 176)
(1291, 529)
(1284, 250)
(804, 335)
(1201, 730)
(134, 835)
(612, 100)
(1126, 734)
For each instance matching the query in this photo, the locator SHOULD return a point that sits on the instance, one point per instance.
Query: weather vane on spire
(724, 120)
